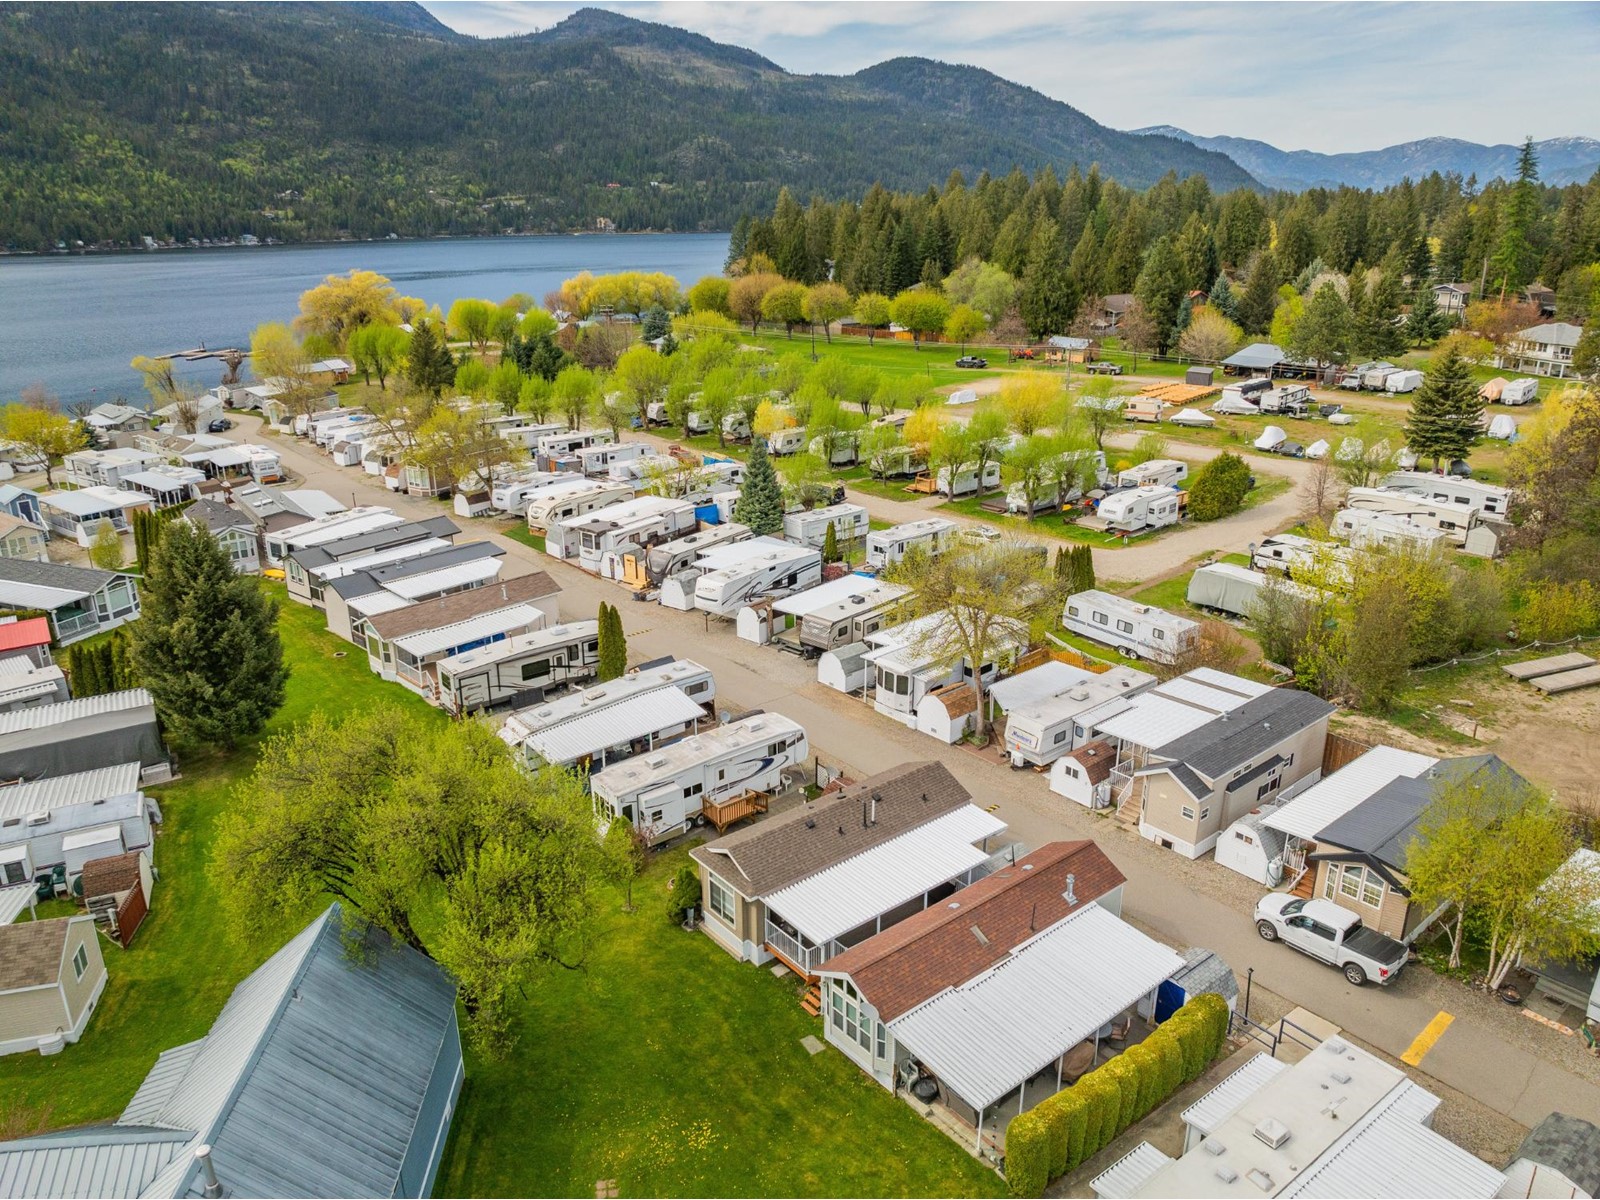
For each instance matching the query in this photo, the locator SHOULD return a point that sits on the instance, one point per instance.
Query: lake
(73, 323)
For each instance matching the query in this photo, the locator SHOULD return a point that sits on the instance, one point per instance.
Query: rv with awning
(1454, 520)
(597, 541)
(756, 570)
(525, 667)
(1042, 707)
(1489, 498)
(931, 535)
(818, 619)
(596, 461)
(510, 493)
(668, 558)
(1153, 507)
(558, 503)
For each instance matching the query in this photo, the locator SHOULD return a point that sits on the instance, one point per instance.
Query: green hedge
(1074, 1125)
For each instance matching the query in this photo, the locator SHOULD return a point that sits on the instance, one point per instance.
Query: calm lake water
(73, 323)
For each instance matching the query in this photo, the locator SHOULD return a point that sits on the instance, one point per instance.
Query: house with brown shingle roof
(51, 977)
(886, 976)
(805, 885)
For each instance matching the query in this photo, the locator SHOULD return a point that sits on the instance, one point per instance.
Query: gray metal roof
(361, 582)
(374, 539)
(24, 719)
(1257, 356)
(1570, 1145)
(97, 1161)
(55, 575)
(1238, 736)
(83, 787)
(216, 516)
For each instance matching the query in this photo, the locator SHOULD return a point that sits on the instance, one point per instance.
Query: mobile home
(668, 558)
(560, 502)
(762, 568)
(1454, 520)
(1135, 630)
(634, 525)
(665, 792)
(1152, 507)
(1044, 726)
(966, 480)
(1158, 472)
(1367, 530)
(932, 535)
(523, 667)
(810, 528)
(597, 460)
(1489, 498)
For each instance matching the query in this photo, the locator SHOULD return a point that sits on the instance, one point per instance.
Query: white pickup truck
(1336, 935)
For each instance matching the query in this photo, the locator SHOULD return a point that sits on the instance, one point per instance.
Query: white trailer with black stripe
(522, 668)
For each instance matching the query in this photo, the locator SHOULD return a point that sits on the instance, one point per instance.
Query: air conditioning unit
(38, 818)
(1272, 1132)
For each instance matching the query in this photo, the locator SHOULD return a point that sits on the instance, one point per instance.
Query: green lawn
(1173, 594)
(675, 1071)
(169, 986)
(518, 531)
(934, 362)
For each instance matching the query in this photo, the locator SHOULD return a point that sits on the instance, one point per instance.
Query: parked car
(1336, 935)
(1104, 368)
(972, 362)
(220, 425)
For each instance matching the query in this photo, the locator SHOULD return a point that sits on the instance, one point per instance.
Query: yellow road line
(1424, 1041)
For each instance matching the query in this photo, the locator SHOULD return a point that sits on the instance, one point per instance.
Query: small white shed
(1252, 849)
(845, 668)
(99, 842)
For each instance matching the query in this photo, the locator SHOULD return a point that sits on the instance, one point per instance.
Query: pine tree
(1426, 323)
(1446, 411)
(429, 364)
(613, 643)
(760, 505)
(830, 546)
(1160, 289)
(1322, 335)
(1260, 297)
(1064, 561)
(207, 644)
(1516, 256)
(1086, 579)
(84, 667)
(1048, 299)
(1222, 298)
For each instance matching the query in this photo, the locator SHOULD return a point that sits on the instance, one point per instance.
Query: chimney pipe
(208, 1172)
(1072, 889)
(874, 819)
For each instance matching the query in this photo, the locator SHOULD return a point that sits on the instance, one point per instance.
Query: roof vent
(1214, 1147)
(39, 818)
(659, 760)
(1071, 894)
(1272, 1132)
(1027, 866)
(1262, 1180)
(1335, 1046)
(954, 904)
(811, 822)
(1226, 1173)
(979, 934)
(1341, 1076)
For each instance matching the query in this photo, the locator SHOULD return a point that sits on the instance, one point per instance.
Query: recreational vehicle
(1351, 379)
(562, 448)
(1299, 558)
(1401, 382)
(523, 436)
(1520, 391)
(597, 541)
(810, 528)
(1152, 507)
(1376, 376)
(1489, 498)
(1454, 520)
(1144, 408)
(510, 493)
(596, 461)
(909, 660)
(966, 480)
(1367, 530)
(668, 558)
(1292, 399)
(559, 503)
(758, 569)
(698, 484)
(696, 424)
(1042, 728)
(897, 462)
(1242, 399)
(1163, 472)
(931, 535)
(786, 441)
(664, 792)
(1226, 588)
(642, 470)
(829, 615)
(1135, 630)
(653, 704)
(525, 667)
(846, 449)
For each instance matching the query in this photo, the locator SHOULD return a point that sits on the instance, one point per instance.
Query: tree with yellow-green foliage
(1031, 400)
(710, 295)
(341, 304)
(825, 303)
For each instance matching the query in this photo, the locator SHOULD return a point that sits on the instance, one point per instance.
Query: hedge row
(1072, 1126)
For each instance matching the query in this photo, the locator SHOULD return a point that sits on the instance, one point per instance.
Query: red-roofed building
(29, 637)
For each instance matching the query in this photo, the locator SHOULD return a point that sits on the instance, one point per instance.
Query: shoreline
(111, 252)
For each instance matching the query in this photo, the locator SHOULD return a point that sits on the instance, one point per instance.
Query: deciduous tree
(921, 310)
(42, 432)
(341, 304)
(785, 303)
(963, 325)
(825, 303)
(378, 350)
(1210, 337)
(873, 312)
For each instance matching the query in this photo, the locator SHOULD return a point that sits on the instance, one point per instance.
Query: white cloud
(1318, 76)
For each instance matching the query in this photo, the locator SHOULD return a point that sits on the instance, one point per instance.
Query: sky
(1331, 77)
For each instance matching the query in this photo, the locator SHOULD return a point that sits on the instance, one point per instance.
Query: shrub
(683, 893)
(1103, 1103)
(1219, 488)
(1119, 1073)
(1028, 1154)
(1146, 1070)
(1169, 1055)
(1078, 1110)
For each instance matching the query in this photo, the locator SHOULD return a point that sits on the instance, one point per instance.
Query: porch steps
(1305, 886)
(1128, 808)
(811, 1000)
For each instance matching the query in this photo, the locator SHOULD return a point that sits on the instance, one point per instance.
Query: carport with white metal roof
(650, 717)
(986, 1038)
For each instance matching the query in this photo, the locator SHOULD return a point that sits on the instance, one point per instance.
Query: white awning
(1209, 1112)
(14, 902)
(446, 579)
(837, 591)
(1153, 720)
(1129, 1173)
(1320, 805)
(662, 708)
(514, 618)
(851, 893)
(993, 1032)
(99, 836)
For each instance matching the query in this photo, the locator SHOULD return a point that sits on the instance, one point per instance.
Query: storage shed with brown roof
(51, 977)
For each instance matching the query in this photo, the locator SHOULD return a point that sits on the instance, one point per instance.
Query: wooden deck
(723, 813)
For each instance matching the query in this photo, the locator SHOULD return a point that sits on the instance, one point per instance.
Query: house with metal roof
(67, 820)
(1338, 1123)
(28, 638)
(51, 977)
(382, 626)
(804, 885)
(327, 1074)
(80, 601)
(79, 514)
(82, 735)
(439, 571)
(307, 568)
(233, 529)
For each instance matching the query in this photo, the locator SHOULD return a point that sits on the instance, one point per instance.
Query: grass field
(933, 362)
(518, 531)
(1173, 594)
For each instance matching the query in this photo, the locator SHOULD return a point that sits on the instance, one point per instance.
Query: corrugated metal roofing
(89, 501)
(377, 558)
(513, 618)
(83, 787)
(160, 1084)
(378, 602)
(1129, 1173)
(14, 902)
(1221, 1102)
(461, 575)
(985, 1037)
(838, 591)
(24, 719)
(32, 595)
(849, 894)
(1314, 809)
(661, 708)
(1258, 356)
(677, 673)
(1151, 719)
(88, 1162)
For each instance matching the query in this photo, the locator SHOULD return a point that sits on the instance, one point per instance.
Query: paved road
(1190, 903)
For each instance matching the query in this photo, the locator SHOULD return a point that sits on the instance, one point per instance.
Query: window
(536, 670)
(1354, 882)
(1069, 770)
(721, 899)
(1061, 736)
(696, 790)
(1124, 626)
(1187, 813)
(1072, 610)
(1270, 785)
(1101, 619)
(80, 962)
(694, 689)
(1205, 814)
(1160, 634)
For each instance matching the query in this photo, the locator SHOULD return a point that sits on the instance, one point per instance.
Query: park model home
(917, 657)
(1135, 630)
(349, 547)
(994, 999)
(79, 515)
(234, 531)
(80, 601)
(440, 572)
(22, 539)
(721, 776)
(51, 977)
(331, 527)
(653, 705)
(65, 821)
(525, 667)
(848, 522)
(805, 885)
(836, 613)
(333, 1070)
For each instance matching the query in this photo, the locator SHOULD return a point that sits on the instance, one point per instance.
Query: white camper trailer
(898, 462)
(913, 658)
(1367, 530)
(1489, 498)
(702, 483)
(641, 471)
(1134, 630)
(666, 791)
(1401, 382)
(568, 442)
(1376, 376)
(1297, 557)
(1043, 725)
(558, 503)
(931, 535)
(668, 558)
(846, 448)
(1520, 391)
(786, 441)
(526, 666)
(1290, 399)
(1153, 507)
(1454, 520)
(1226, 588)
(633, 525)
(810, 528)
(510, 493)
(845, 610)
(596, 461)
(966, 480)
(654, 703)
(735, 426)
(524, 436)
(758, 569)
(1158, 472)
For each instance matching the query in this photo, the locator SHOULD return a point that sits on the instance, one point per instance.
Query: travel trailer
(735, 427)
(1299, 557)
(1226, 588)
(695, 424)
(846, 449)
(654, 703)
(1134, 630)
(898, 462)
(642, 470)
(966, 480)
(1367, 530)
(1489, 498)
(818, 619)
(599, 540)
(1401, 382)
(699, 484)
(786, 441)
(1454, 520)
(1165, 472)
(1144, 408)
(1242, 399)
(668, 558)
(909, 660)
(525, 437)
(1520, 391)
(558, 504)
(810, 528)
(596, 461)
(677, 587)
(1044, 727)
(932, 535)
(525, 667)
(1153, 507)
(665, 792)
(1376, 377)
(510, 494)
(763, 568)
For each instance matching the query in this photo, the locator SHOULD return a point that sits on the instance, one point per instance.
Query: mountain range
(1561, 160)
